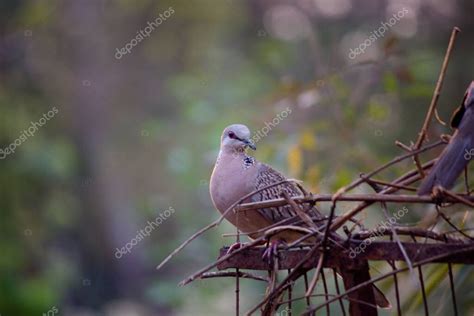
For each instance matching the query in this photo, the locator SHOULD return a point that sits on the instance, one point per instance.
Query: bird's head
(236, 138)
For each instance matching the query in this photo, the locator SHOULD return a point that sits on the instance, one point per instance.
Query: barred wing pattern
(267, 176)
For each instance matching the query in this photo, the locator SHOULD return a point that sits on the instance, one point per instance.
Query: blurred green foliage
(137, 135)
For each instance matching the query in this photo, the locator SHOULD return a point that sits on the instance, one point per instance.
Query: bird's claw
(271, 251)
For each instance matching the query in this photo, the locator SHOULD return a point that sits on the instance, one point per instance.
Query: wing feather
(266, 176)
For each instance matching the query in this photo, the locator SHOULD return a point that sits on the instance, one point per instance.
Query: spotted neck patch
(248, 161)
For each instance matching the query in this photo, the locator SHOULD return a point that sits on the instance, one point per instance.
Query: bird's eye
(231, 134)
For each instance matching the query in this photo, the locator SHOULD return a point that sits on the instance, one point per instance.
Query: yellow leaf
(307, 140)
(313, 178)
(295, 161)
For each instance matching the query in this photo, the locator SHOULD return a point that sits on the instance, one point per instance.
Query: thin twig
(290, 297)
(378, 197)
(312, 285)
(232, 274)
(397, 240)
(213, 224)
(440, 121)
(453, 288)
(293, 220)
(394, 185)
(333, 295)
(338, 291)
(403, 146)
(305, 217)
(436, 93)
(388, 164)
(386, 275)
(457, 197)
(440, 213)
(415, 231)
(406, 179)
(397, 291)
(222, 259)
(434, 100)
(423, 290)
(325, 286)
(257, 241)
(290, 277)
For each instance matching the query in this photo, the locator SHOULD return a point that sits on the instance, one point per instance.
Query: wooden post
(354, 275)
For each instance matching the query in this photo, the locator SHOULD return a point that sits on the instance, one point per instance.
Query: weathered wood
(377, 250)
(252, 259)
(353, 277)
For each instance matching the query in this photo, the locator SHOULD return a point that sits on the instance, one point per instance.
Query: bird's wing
(267, 176)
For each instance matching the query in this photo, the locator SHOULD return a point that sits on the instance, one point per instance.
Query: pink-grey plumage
(236, 174)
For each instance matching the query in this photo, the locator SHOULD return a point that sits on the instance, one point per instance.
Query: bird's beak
(250, 144)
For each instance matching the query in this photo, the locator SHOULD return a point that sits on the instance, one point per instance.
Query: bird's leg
(272, 249)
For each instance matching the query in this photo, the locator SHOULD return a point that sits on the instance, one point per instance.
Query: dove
(237, 174)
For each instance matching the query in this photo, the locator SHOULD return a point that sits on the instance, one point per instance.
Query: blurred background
(111, 113)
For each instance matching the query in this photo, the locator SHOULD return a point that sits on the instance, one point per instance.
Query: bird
(460, 150)
(236, 175)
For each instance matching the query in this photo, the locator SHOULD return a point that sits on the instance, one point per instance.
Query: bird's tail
(450, 164)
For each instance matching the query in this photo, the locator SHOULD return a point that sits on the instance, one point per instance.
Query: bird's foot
(271, 251)
(234, 247)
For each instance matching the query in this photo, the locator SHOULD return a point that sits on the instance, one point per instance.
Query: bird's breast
(230, 181)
